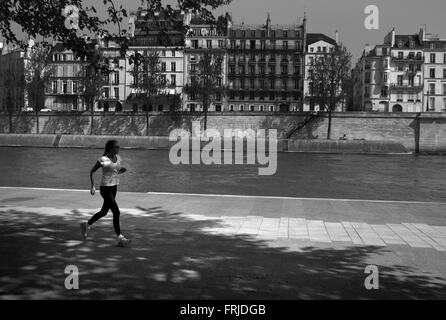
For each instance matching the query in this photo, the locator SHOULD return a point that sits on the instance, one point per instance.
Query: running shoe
(123, 242)
(84, 229)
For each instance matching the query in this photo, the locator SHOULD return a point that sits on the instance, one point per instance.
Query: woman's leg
(108, 197)
(116, 213)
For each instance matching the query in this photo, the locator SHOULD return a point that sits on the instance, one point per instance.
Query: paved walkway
(216, 246)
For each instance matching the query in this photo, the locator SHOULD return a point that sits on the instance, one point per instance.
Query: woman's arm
(92, 171)
(123, 169)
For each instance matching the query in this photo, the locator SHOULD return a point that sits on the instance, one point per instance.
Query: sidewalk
(220, 247)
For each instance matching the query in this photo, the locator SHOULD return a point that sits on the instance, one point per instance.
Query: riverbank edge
(163, 143)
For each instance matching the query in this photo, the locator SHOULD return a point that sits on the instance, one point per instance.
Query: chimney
(393, 37)
(337, 36)
(187, 18)
(132, 25)
(268, 24)
(367, 48)
(422, 35)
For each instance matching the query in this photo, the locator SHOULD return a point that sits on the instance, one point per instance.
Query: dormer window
(412, 44)
(400, 44)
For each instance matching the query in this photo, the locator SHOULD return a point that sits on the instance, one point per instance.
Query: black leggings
(109, 195)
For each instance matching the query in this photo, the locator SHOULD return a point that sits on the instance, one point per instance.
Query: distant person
(111, 169)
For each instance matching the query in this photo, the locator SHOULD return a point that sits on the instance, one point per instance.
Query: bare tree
(148, 78)
(38, 73)
(92, 80)
(329, 74)
(11, 82)
(206, 81)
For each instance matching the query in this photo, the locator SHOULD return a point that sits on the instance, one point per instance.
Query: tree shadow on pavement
(173, 257)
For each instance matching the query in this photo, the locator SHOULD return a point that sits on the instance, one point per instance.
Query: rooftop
(315, 37)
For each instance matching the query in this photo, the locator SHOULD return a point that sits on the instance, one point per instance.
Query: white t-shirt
(110, 171)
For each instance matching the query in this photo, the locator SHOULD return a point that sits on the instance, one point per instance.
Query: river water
(375, 177)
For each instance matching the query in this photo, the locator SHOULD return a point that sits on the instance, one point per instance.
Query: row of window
(163, 79)
(323, 49)
(272, 34)
(433, 58)
(173, 67)
(284, 69)
(432, 104)
(432, 73)
(262, 84)
(195, 44)
(72, 87)
(412, 95)
(65, 87)
(263, 45)
(241, 108)
(431, 45)
(433, 89)
(162, 53)
(219, 81)
(263, 96)
(192, 107)
(63, 57)
(262, 57)
(252, 96)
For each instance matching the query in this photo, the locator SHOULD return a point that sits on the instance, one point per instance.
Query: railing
(406, 86)
(267, 47)
(408, 58)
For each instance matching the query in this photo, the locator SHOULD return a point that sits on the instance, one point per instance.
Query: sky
(327, 16)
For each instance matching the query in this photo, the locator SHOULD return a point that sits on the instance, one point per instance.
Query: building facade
(12, 80)
(317, 45)
(203, 38)
(404, 74)
(434, 73)
(165, 36)
(63, 91)
(265, 67)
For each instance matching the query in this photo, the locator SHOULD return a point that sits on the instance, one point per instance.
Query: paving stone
(408, 236)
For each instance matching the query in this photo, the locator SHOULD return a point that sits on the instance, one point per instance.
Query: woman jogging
(111, 169)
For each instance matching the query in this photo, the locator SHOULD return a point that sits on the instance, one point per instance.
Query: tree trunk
(10, 121)
(148, 101)
(329, 125)
(37, 120)
(91, 117)
(10, 111)
(205, 116)
(147, 120)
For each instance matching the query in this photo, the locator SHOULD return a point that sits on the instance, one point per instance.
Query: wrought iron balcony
(406, 86)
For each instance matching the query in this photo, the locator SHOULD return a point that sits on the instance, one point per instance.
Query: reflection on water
(298, 175)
